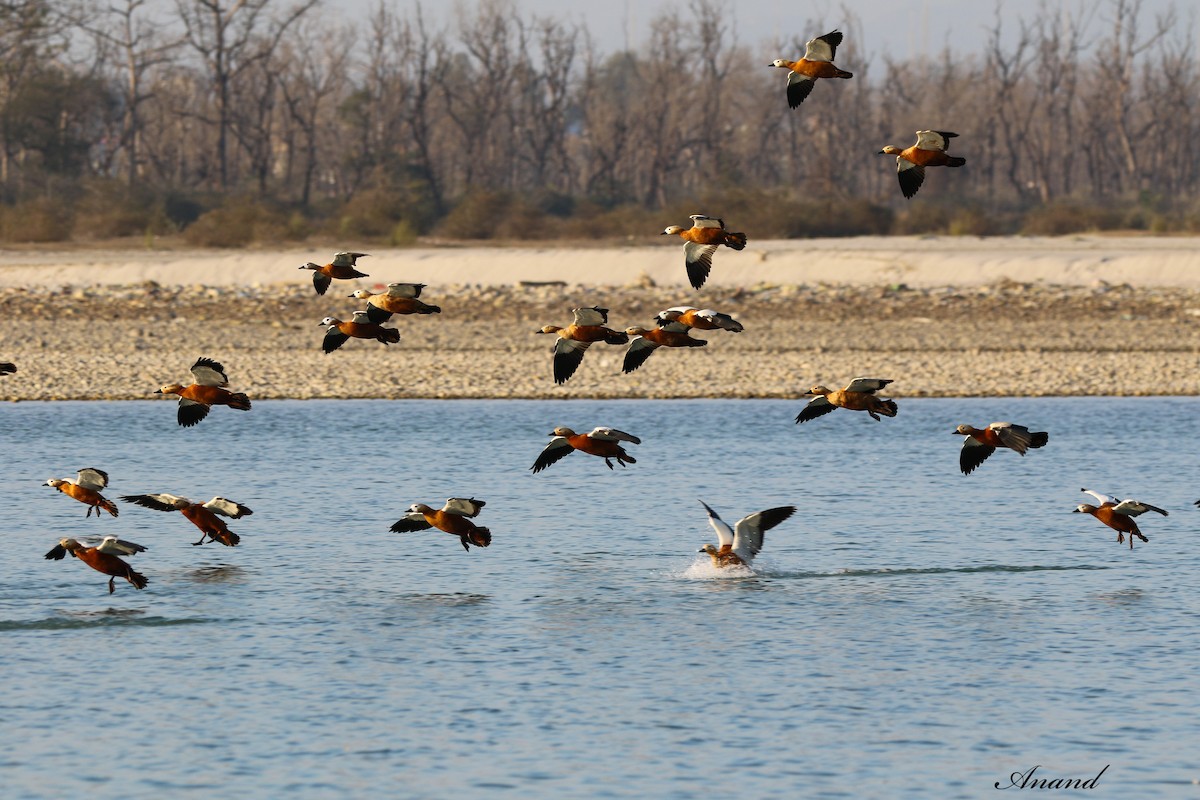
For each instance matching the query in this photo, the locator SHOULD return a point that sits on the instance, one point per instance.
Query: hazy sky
(899, 28)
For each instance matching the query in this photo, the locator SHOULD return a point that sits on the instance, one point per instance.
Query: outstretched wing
(118, 547)
(158, 502)
(614, 435)
(748, 532)
(1135, 508)
(1102, 499)
(639, 350)
(405, 289)
(412, 521)
(934, 140)
(973, 453)
(334, 338)
(1015, 437)
(227, 508)
(722, 529)
(705, 221)
(590, 316)
(321, 282)
(822, 48)
(92, 478)
(568, 355)
(867, 385)
(911, 176)
(816, 407)
(464, 506)
(190, 412)
(697, 258)
(347, 259)
(799, 87)
(209, 373)
(376, 314)
(558, 449)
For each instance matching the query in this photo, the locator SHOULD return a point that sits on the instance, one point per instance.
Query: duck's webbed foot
(606, 461)
(1121, 539)
(466, 546)
(874, 416)
(112, 587)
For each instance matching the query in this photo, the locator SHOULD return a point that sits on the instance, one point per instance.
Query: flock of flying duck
(736, 546)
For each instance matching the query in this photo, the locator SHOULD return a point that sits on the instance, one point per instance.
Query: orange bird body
(202, 515)
(104, 557)
(197, 399)
(86, 489)
(452, 518)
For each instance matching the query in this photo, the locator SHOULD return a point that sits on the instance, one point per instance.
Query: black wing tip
(205, 361)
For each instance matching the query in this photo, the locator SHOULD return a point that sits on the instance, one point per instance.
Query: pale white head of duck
(561, 431)
(169, 388)
(779, 62)
(548, 329)
(1084, 508)
(671, 230)
(636, 331)
(708, 548)
(816, 390)
(966, 430)
(329, 321)
(311, 265)
(55, 482)
(889, 150)
(419, 508)
(361, 294)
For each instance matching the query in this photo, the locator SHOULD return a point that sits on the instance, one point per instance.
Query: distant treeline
(242, 120)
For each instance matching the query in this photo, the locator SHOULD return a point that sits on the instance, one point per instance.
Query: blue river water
(910, 632)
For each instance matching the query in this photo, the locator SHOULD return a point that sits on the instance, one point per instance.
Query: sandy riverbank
(1010, 317)
(922, 262)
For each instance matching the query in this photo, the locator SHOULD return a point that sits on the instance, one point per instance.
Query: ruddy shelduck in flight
(929, 151)
(700, 242)
(602, 442)
(1118, 514)
(980, 444)
(737, 546)
(86, 489)
(453, 518)
(702, 319)
(573, 341)
(197, 399)
(342, 268)
(858, 396)
(103, 556)
(202, 515)
(337, 333)
(645, 342)
(400, 298)
(816, 63)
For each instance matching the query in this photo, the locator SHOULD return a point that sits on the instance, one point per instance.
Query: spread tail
(389, 336)
(108, 506)
(955, 161)
(1039, 439)
(841, 73)
(227, 538)
(480, 537)
(735, 240)
(888, 408)
(137, 579)
(616, 337)
(239, 401)
(431, 310)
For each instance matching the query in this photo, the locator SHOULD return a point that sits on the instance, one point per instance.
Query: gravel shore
(1003, 339)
